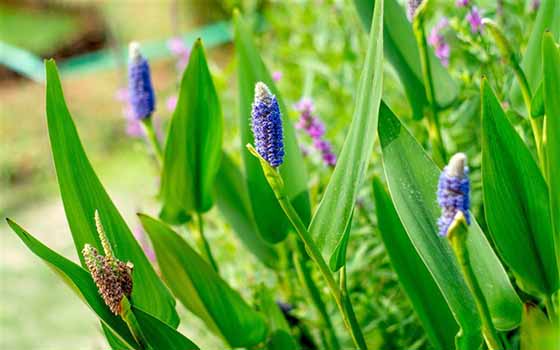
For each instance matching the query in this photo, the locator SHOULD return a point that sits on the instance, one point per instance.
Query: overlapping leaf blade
(80, 281)
(82, 193)
(201, 290)
(413, 177)
(551, 92)
(548, 18)
(194, 143)
(516, 201)
(416, 280)
(272, 222)
(232, 201)
(401, 50)
(334, 214)
(160, 335)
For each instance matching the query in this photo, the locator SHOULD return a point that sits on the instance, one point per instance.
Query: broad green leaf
(82, 193)
(548, 18)
(402, 51)
(80, 281)
(551, 69)
(413, 178)
(537, 102)
(414, 276)
(268, 307)
(271, 221)
(331, 222)
(230, 191)
(195, 283)
(516, 201)
(194, 143)
(160, 335)
(281, 340)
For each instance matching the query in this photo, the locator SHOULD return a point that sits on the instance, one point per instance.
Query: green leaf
(415, 278)
(413, 179)
(537, 103)
(548, 18)
(516, 201)
(537, 332)
(195, 283)
(230, 191)
(268, 306)
(80, 281)
(160, 335)
(551, 68)
(402, 51)
(194, 143)
(281, 340)
(272, 222)
(330, 224)
(82, 193)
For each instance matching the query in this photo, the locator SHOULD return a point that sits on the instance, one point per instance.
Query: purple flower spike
(437, 41)
(412, 6)
(266, 123)
(140, 90)
(453, 192)
(475, 20)
(462, 3)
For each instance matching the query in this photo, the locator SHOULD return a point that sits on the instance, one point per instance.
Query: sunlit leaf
(516, 201)
(415, 278)
(194, 143)
(82, 193)
(272, 222)
(331, 222)
(201, 290)
(537, 332)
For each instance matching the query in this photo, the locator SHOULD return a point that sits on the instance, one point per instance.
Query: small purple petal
(276, 76)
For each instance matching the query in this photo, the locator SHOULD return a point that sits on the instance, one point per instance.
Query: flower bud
(266, 123)
(140, 90)
(453, 192)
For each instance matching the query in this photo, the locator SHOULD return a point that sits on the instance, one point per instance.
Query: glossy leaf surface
(272, 222)
(82, 194)
(413, 178)
(334, 214)
(195, 283)
(416, 280)
(516, 201)
(194, 143)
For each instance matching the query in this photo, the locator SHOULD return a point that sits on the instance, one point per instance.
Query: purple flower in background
(462, 3)
(140, 236)
(315, 129)
(412, 6)
(171, 103)
(535, 4)
(140, 91)
(178, 48)
(453, 192)
(266, 123)
(475, 20)
(133, 127)
(276, 75)
(437, 41)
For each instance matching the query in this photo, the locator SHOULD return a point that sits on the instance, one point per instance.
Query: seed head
(140, 90)
(266, 123)
(453, 192)
(112, 277)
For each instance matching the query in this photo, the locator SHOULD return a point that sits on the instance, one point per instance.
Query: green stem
(346, 299)
(307, 280)
(133, 325)
(457, 235)
(550, 309)
(315, 254)
(434, 132)
(203, 244)
(148, 127)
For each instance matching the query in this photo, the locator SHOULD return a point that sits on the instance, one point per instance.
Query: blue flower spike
(266, 123)
(453, 192)
(140, 89)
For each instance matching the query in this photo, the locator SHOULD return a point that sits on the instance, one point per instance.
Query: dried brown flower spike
(112, 277)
